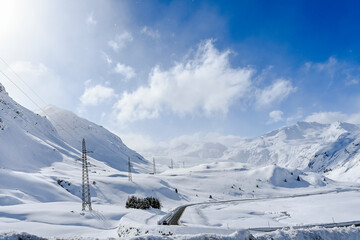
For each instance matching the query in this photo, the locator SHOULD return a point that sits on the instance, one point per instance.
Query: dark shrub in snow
(154, 202)
(142, 203)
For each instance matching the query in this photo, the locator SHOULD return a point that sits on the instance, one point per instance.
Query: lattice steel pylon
(129, 165)
(154, 166)
(86, 198)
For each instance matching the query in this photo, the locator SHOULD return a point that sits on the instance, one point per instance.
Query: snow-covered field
(40, 181)
(287, 212)
(224, 181)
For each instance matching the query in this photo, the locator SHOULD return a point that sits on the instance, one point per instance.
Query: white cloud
(120, 41)
(334, 69)
(175, 147)
(351, 82)
(88, 82)
(274, 93)
(114, 45)
(330, 117)
(326, 117)
(354, 118)
(139, 142)
(90, 21)
(199, 137)
(127, 71)
(95, 95)
(150, 32)
(41, 84)
(205, 83)
(275, 116)
(106, 57)
(328, 66)
(298, 115)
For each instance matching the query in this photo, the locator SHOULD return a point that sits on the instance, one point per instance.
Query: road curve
(176, 217)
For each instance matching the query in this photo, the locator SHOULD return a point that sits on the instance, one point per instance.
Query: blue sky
(156, 70)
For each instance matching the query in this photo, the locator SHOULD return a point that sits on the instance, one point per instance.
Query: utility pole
(86, 198)
(154, 168)
(130, 176)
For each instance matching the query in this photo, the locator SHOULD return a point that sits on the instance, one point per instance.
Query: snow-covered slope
(28, 141)
(308, 146)
(106, 146)
(40, 178)
(34, 157)
(293, 146)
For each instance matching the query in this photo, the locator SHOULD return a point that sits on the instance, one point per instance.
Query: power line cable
(28, 86)
(30, 124)
(23, 92)
(34, 126)
(19, 77)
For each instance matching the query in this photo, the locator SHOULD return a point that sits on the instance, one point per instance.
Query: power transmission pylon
(154, 167)
(130, 176)
(86, 198)
(172, 164)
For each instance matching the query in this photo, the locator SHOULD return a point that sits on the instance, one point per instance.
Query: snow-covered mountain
(308, 146)
(40, 177)
(28, 141)
(36, 161)
(106, 146)
(292, 146)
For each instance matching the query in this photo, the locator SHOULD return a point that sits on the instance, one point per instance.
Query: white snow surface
(40, 182)
(106, 146)
(309, 146)
(26, 137)
(339, 207)
(62, 217)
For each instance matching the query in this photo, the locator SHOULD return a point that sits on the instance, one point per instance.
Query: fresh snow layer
(60, 215)
(105, 146)
(40, 180)
(316, 233)
(330, 148)
(308, 210)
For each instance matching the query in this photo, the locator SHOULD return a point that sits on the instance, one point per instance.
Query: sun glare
(18, 20)
(11, 14)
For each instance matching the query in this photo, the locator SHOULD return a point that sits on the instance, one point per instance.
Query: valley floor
(174, 187)
(326, 208)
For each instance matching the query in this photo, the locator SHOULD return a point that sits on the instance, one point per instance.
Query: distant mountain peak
(346, 126)
(29, 141)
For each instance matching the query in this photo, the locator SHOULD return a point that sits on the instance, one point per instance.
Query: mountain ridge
(297, 146)
(106, 146)
(43, 140)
